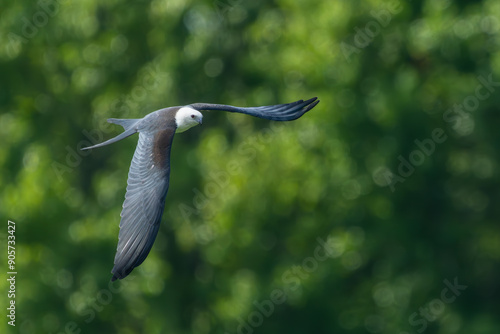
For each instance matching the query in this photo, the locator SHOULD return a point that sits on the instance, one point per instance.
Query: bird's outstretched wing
(279, 112)
(147, 187)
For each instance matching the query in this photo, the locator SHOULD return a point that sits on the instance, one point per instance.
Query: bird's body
(148, 177)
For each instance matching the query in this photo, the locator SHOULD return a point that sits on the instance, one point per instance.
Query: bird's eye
(192, 116)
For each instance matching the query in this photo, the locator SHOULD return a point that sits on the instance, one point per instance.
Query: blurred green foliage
(249, 199)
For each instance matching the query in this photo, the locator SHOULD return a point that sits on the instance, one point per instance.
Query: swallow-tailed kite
(148, 177)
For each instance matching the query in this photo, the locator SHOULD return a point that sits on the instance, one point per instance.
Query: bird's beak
(200, 121)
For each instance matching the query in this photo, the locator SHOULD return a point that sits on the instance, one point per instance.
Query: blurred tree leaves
(259, 194)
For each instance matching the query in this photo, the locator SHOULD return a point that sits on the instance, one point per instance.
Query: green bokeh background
(268, 190)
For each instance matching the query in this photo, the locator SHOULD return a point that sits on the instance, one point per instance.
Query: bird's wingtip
(311, 103)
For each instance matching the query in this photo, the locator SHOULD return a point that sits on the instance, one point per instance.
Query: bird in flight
(148, 177)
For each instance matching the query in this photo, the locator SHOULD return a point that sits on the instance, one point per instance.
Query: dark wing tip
(296, 109)
(314, 101)
(120, 272)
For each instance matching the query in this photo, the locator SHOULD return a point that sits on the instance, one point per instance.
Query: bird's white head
(186, 118)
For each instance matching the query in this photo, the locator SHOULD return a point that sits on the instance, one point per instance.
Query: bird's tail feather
(129, 125)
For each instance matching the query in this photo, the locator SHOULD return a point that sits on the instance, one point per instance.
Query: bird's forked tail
(129, 125)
